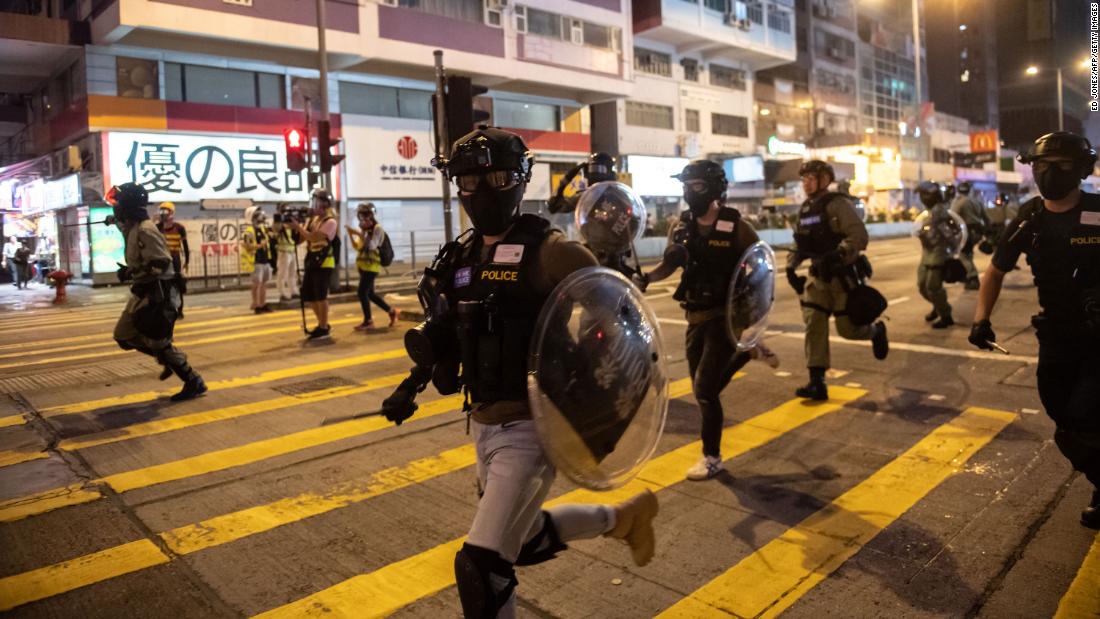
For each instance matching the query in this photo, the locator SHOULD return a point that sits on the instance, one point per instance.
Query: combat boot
(880, 345)
(634, 524)
(944, 321)
(930, 316)
(193, 388)
(1090, 517)
(816, 388)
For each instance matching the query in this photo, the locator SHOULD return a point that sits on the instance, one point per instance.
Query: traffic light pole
(322, 61)
(441, 134)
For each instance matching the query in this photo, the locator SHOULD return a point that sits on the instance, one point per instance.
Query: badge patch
(508, 254)
(462, 277)
(809, 221)
(1090, 218)
(724, 226)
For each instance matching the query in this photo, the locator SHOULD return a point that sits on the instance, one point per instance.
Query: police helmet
(1062, 144)
(965, 187)
(703, 169)
(949, 192)
(599, 167)
(129, 201)
(484, 151)
(320, 193)
(815, 167)
(930, 193)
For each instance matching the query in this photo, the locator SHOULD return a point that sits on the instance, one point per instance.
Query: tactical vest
(1084, 254)
(496, 307)
(284, 240)
(263, 245)
(711, 261)
(319, 254)
(813, 235)
(173, 236)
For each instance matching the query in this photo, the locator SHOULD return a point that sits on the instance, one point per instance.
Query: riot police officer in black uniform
(482, 296)
(707, 242)
(1059, 233)
(598, 168)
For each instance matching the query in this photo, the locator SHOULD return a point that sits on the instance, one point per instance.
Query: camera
(299, 214)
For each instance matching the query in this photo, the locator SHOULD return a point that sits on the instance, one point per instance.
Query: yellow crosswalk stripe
(390, 588)
(230, 383)
(47, 501)
(251, 333)
(85, 321)
(12, 457)
(774, 577)
(1082, 599)
(220, 460)
(12, 420)
(103, 565)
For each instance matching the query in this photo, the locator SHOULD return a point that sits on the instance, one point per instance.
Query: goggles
(1065, 165)
(495, 179)
(598, 168)
(696, 184)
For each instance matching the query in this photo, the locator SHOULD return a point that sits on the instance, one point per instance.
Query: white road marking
(853, 385)
(935, 397)
(835, 374)
(897, 300)
(782, 374)
(923, 348)
(673, 321)
(1029, 411)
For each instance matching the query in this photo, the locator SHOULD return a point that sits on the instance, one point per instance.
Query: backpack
(385, 251)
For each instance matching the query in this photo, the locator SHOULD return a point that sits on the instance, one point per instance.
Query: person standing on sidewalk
(10, 248)
(176, 237)
(257, 241)
(286, 248)
(367, 240)
(318, 234)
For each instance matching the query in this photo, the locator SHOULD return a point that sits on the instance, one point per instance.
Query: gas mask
(1056, 179)
(490, 199)
(929, 200)
(699, 194)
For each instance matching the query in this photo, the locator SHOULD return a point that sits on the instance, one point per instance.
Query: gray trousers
(930, 284)
(514, 476)
(128, 338)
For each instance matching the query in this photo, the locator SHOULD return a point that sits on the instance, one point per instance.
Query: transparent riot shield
(940, 230)
(597, 380)
(750, 296)
(610, 216)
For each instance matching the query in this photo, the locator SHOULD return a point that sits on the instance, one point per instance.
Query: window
(725, 124)
(596, 35)
(137, 78)
(779, 20)
(648, 115)
(466, 10)
(543, 23)
(269, 90)
(648, 61)
(691, 69)
(691, 121)
(716, 5)
(219, 86)
(726, 77)
(374, 100)
(530, 20)
(526, 115)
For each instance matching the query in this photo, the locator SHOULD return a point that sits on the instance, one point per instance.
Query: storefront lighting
(1032, 70)
(903, 127)
(765, 111)
(962, 27)
(869, 130)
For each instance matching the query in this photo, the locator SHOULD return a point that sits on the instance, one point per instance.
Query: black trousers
(1069, 387)
(712, 361)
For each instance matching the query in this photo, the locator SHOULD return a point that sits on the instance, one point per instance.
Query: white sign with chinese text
(63, 192)
(192, 168)
(390, 158)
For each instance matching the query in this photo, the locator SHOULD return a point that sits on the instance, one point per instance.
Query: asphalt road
(927, 487)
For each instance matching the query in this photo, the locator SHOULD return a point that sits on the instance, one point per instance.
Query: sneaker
(813, 390)
(257, 310)
(365, 326)
(760, 352)
(880, 345)
(634, 525)
(266, 309)
(192, 389)
(1090, 517)
(930, 316)
(394, 314)
(705, 468)
(320, 334)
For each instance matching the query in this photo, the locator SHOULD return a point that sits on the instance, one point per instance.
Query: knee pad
(485, 581)
(545, 545)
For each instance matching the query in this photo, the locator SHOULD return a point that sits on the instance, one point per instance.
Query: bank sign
(390, 157)
(190, 168)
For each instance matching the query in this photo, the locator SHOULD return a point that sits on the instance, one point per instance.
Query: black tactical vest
(711, 261)
(813, 235)
(1060, 283)
(496, 308)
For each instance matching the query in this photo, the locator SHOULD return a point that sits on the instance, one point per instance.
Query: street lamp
(1034, 70)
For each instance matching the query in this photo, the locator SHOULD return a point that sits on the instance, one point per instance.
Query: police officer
(935, 240)
(977, 222)
(1059, 233)
(830, 234)
(707, 242)
(147, 320)
(175, 235)
(496, 277)
(598, 168)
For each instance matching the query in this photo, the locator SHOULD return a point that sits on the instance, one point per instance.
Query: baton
(997, 346)
(331, 420)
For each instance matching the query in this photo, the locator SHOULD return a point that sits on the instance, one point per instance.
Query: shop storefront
(44, 216)
(662, 194)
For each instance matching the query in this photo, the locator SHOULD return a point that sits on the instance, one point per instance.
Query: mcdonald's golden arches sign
(983, 141)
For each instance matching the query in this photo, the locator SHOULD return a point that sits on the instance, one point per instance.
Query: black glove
(397, 408)
(796, 281)
(641, 280)
(981, 334)
(986, 247)
(831, 262)
(124, 273)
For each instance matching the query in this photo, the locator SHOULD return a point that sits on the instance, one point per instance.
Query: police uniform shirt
(746, 236)
(557, 258)
(845, 221)
(144, 244)
(1054, 280)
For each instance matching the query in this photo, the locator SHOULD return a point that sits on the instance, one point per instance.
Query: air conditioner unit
(389, 2)
(744, 24)
(496, 4)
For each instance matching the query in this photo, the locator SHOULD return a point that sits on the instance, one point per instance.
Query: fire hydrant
(59, 279)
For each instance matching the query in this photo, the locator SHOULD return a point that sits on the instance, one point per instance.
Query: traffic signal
(296, 145)
(325, 144)
(459, 103)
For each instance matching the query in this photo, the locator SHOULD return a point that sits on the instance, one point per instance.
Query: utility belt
(155, 314)
(850, 275)
(493, 350)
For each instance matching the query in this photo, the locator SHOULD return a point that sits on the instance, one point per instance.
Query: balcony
(757, 33)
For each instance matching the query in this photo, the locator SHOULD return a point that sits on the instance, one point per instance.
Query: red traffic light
(293, 138)
(296, 141)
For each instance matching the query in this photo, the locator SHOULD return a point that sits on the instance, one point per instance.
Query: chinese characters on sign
(193, 168)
